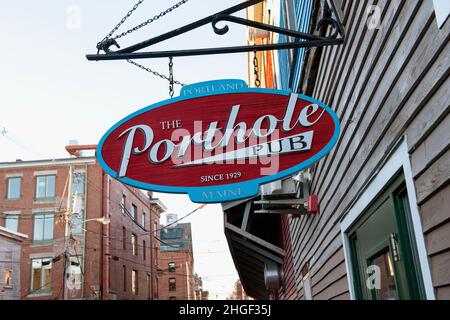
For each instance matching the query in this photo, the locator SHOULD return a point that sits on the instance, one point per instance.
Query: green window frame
(43, 227)
(14, 185)
(409, 280)
(12, 222)
(45, 187)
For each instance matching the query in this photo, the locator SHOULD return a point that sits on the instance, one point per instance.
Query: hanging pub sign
(218, 141)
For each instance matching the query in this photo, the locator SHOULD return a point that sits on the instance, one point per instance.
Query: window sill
(39, 294)
(44, 200)
(42, 243)
(12, 199)
(7, 287)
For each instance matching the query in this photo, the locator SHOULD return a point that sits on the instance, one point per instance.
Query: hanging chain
(107, 41)
(256, 71)
(121, 21)
(143, 24)
(156, 73)
(171, 77)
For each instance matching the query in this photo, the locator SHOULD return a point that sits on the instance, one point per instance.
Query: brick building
(10, 253)
(200, 294)
(238, 292)
(177, 278)
(111, 260)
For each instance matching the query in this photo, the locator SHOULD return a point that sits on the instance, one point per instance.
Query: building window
(13, 188)
(43, 227)
(124, 238)
(77, 215)
(41, 271)
(12, 222)
(45, 187)
(172, 284)
(123, 203)
(133, 211)
(172, 266)
(74, 273)
(124, 278)
(172, 298)
(155, 228)
(134, 244)
(78, 183)
(134, 282)
(143, 219)
(144, 250)
(8, 278)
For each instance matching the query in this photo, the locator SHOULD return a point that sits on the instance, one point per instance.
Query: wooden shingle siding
(289, 291)
(435, 211)
(440, 271)
(383, 84)
(443, 293)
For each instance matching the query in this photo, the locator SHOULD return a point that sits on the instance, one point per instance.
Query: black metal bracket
(336, 38)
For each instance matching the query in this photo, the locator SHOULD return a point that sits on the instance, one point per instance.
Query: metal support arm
(225, 15)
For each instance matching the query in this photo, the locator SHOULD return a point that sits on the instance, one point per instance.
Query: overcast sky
(50, 93)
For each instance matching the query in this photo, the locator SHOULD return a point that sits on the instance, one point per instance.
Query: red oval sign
(218, 141)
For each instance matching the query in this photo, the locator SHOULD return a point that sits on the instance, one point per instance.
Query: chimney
(76, 150)
(170, 219)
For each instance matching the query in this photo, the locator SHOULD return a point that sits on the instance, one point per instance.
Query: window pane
(134, 282)
(123, 203)
(40, 187)
(13, 188)
(8, 278)
(36, 279)
(133, 212)
(48, 227)
(46, 278)
(77, 223)
(50, 193)
(134, 244)
(78, 183)
(144, 249)
(38, 232)
(388, 288)
(143, 219)
(172, 284)
(12, 222)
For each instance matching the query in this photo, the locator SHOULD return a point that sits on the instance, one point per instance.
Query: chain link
(256, 71)
(171, 92)
(108, 40)
(121, 21)
(143, 24)
(156, 73)
(156, 17)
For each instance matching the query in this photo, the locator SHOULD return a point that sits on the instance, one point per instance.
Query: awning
(255, 244)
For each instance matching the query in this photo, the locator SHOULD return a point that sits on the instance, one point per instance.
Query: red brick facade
(177, 265)
(102, 261)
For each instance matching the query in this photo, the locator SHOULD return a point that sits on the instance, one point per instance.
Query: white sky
(50, 93)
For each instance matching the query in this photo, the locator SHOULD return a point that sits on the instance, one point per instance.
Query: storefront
(382, 226)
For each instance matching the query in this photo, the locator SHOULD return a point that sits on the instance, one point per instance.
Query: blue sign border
(217, 194)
